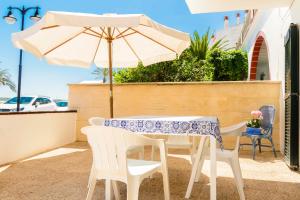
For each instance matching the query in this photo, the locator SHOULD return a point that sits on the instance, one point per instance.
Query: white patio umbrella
(78, 39)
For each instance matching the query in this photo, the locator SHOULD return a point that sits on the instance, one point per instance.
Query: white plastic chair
(99, 121)
(109, 146)
(229, 156)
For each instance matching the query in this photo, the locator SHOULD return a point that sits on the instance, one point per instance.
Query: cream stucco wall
(24, 135)
(231, 102)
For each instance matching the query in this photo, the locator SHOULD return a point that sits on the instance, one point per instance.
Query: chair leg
(273, 147)
(237, 165)
(253, 147)
(259, 144)
(133, 189)
(91, 176)
(108, 189)
(92, 185)
(152, 153)
(237, 177)
(142, 154)
(199, 170)
(153, 157)
(166, 185)
(240, 171)
(116, 190)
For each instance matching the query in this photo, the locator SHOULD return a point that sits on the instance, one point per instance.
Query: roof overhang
(208, 6)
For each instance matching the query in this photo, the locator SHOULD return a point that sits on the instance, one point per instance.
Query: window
(42, 101)
(23, 100)
(62, 104)
(38, 100)
(46, 100)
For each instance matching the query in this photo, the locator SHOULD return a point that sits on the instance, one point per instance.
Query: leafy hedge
(219, 65)
(228, 65)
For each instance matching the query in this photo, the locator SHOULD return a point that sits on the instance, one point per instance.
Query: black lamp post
(10, 19)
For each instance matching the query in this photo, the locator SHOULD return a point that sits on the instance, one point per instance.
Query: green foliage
(190, 68)
(229, 65)
(101, 73)
(200, 62)
(5, 80)
(254, 123)
(200, 45)
(160, 72)
(219, 65)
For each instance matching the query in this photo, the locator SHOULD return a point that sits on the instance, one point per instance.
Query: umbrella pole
(111, 102)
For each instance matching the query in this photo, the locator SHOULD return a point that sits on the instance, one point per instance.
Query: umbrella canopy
(78, 39)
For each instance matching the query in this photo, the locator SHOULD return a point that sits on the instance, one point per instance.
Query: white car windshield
(23, 100)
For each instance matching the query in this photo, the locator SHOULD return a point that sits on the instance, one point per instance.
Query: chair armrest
(96, 121)
(133, 139)
(236, 129)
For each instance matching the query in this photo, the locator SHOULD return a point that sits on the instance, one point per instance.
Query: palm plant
(200, 46)
(101, 72)
(5, 80)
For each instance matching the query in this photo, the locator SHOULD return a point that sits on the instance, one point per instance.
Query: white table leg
(195, 167)
(213, 169)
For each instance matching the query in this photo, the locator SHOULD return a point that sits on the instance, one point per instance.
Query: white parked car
(29, 103)
(62, 105)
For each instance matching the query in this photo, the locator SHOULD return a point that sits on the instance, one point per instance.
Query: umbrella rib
(154, 40)
(145, 25)
(98, 36)
(97, 48)
(103, 31)
(95, 32)
(125, 35)
(64, 42)
(49, 27)
(122, 33)
(131, 48)
(112, 35)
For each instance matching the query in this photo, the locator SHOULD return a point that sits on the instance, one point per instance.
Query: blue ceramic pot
(253, 131)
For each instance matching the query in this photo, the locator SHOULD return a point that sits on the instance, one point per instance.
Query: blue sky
(41, 78)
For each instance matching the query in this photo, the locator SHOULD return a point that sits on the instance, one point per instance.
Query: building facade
(263, 36)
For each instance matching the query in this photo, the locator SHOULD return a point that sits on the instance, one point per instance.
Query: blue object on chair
(268, 113)
(253, 131)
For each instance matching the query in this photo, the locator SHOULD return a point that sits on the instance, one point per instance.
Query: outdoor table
(178, 126)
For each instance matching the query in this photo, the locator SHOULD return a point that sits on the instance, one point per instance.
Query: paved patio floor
(63, 174)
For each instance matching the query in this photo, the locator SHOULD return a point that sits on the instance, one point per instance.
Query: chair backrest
(234, 130)
(109, 146)
(268, 113)
(96, 121)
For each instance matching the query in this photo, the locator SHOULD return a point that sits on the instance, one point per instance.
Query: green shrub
(219, 65)
(229, 65)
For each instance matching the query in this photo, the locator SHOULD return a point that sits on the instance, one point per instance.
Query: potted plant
(254, 125)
